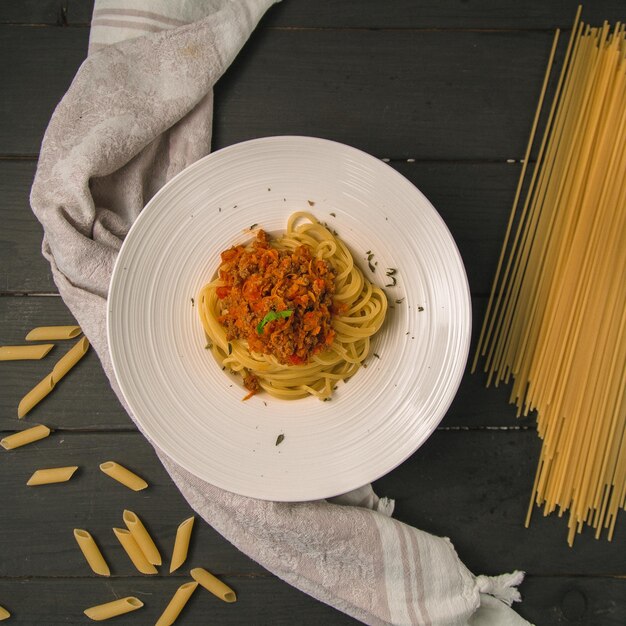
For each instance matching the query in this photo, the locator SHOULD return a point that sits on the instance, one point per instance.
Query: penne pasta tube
(45, 386)
(142, 537)
(25, 437)
(25, 353)
(51, 333)
(113, 609)
(123, 475)
(134, 551)
(4, 614)
(91, 552)
(70, 358)
(181, 544)
(176, 605)
(35, 395)
(51, 475)
(213, 584)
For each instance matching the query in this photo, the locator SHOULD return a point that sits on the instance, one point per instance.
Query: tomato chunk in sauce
(279, 301)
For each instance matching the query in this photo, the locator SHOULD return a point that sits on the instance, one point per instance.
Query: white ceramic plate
(194, 411)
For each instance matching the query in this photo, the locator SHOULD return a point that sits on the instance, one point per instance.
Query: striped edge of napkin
(114, 21)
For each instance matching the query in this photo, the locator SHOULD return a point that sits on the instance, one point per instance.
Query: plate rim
(463, 352)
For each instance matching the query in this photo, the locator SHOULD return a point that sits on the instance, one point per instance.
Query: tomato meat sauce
(279, 301)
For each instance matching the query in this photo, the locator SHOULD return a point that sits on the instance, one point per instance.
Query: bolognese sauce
(279, 301)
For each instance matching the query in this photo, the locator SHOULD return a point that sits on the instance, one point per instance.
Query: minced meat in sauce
(279, 301)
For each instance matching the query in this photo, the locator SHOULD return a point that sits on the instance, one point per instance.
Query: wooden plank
(85, 401)
(364, 14)
(474, 487)
(472, 198)
(491, 14)
(22, 266)
(428, 95)
(471, 486)
(46, 12)
(32, 12)
(38, 67)
(266, 600)
(581, 600)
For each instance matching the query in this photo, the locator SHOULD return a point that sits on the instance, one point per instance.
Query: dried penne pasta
(177, 604)
(35, 395)
(134, 551)
(51, 475)
(51, 333)
(113, 609)
(142, 537)
(181, 544)
(70, 358)
(25, 437)
(214, 585)
(123, 475)
(4, 614)
(45, 386)
(25, 353)
(91, 552)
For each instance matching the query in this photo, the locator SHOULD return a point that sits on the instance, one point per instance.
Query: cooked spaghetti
(292, 316)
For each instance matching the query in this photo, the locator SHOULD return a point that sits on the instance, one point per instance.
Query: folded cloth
(138, 112)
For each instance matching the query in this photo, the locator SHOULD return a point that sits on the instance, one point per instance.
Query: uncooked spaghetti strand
(504, 294)
(611, 455)
(570, 302)
(513, 270)
(616, 454)
(570, 298)
(543, 225)
(611, 272)
(487, 328)
(617, 285)
(618, 494)
(561, 302)
(553, 131)
(558, 246)
(523, 261)
(563, 236)
(599, 407)
(573, 476)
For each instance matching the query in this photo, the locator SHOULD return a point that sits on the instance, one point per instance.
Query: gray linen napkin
(137, 113)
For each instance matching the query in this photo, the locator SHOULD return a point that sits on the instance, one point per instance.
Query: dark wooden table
(446, 92)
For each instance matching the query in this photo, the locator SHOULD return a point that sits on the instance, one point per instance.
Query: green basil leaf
(270, 317)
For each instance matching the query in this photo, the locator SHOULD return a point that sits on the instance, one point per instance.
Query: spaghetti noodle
(556, 320)
(292, 316)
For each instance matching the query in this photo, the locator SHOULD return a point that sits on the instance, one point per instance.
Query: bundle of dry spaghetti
(556, 319)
